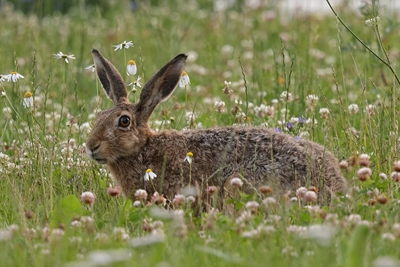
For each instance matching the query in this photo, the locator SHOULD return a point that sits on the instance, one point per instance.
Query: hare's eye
(124, 121)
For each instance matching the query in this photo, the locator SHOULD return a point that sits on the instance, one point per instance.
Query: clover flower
(353, 109)
(28, 100)
(131, 68)
(149, 175)
(324, 112)
(88, 198)
(61, 55)
(124, 44)
(184, 80)
(237, 182)
(189, 157)
(219, 106)
(286, 97)
(364, 173)
(227, 89)
(141, 194)
(373, 21)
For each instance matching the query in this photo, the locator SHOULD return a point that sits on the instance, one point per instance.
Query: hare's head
(122, 130)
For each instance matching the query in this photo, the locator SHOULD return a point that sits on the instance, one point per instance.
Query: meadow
(249, 63)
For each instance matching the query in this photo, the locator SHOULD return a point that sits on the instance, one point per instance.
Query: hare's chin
(100, 161)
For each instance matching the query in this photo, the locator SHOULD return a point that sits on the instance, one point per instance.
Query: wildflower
(61, 55)
(310, 196)
(189, 157)
(135, 83)
(396, 166)
(158, 199)
(300, 192)
(141, 194)
(113, 191)
(3, 94)
(149, 175)
(184, 80)
(2, 78)
(395, 176)
(178, 200)
(219, 106)
(91, 67)
(281, 80)
(240, 117)
(88, 198)
(236, 182)
(373, 21)
(363, 160)
(383, 176)
(324, 112)
(268, 201)
(265, 190)
(212, 189)
(13, 76)
(364, 173)
(28, 100)
(370, 110)
(286, 97)
(252, 206)
(311, 101)
(353, 109)
(131, 68)
(227, 89)
(264, 110)
(124, 44)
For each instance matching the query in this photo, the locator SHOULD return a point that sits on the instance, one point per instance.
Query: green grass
(44, 169)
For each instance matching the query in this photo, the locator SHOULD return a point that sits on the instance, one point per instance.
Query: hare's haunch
(122, 139)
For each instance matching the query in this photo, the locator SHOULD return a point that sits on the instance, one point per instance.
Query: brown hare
(122, 139)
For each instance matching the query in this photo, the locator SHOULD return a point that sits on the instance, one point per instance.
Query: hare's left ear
(160, 86)
(112, 82)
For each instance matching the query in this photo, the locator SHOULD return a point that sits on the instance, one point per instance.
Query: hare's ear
(160, 86)
(112, 82)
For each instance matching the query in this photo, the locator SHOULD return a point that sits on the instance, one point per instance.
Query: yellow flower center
(13, 72)
(28, 95)
(189, 154)
(131, 62)
(184, 73)
(148, 171)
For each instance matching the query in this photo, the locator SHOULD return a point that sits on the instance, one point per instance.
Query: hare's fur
(258, 155)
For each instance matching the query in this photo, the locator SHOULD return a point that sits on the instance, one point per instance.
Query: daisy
(125, 45)
(13, 76)
(135, 83)
(61, 55)
(28, 100)
(2, 78)
(149, 175)
(91, 67)
(131, 68)
(189, 157)
(184, 80)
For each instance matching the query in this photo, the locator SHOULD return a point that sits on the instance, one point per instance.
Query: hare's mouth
(100, 160)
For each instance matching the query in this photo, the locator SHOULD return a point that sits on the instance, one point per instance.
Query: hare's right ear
(112, 82)
(160, 86)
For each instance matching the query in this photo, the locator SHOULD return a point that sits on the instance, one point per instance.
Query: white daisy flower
(91, 67)
(149, 175)
(2, 78)
(189, 157)
(131, 68)
(125, 45)
(13, 76)
(28, 100)
(184, 80)
(135, 83)
(61, 55)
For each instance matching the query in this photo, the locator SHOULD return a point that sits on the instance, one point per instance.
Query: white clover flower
(141, 194)
(135, 83)
(131, 68)
(88, 198)
(311, 100)
(184, 80)
(13, 76)
(189, 157)
(324, 112)
(353, 109)
(286, 97)
(28, 100)
(124, 44)
(91, 67)
(61, 55)
(149, 175)
(236, 182)
(373, 21)
(219, 106)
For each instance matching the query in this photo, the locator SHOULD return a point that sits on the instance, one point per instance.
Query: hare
(122, 139)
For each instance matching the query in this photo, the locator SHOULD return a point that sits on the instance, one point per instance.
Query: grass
(262, 52)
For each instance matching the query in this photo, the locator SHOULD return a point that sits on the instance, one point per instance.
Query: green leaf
(66, 209)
